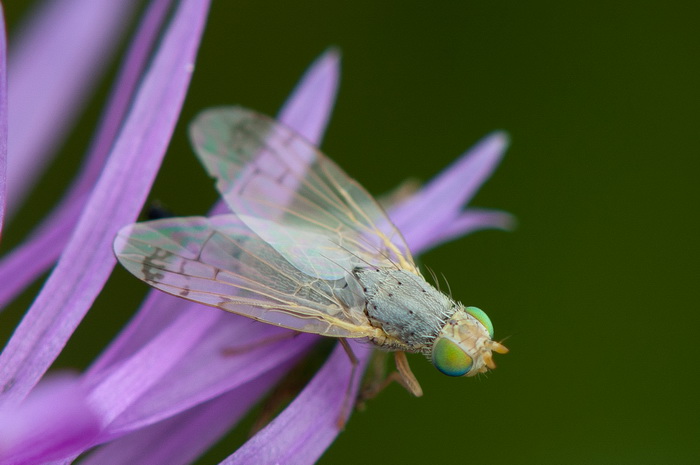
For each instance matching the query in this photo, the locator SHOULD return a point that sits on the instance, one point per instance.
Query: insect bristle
(434, 277)
(449, 289)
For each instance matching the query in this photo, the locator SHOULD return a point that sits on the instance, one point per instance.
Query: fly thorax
(464, 346)
(406, 307)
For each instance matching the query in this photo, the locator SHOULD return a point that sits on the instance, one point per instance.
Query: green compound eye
(482, 317)
(450, 359)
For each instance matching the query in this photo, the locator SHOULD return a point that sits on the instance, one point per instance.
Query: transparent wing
(217, 261)
(294, 197)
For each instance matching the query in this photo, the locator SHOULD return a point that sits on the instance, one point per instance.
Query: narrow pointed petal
(155, 384)
(3, 121)
(54, 420)
(305, 429)
(419, 239)
(452, 189)
(308, 108)
(124, 385)
(87, 260)
(25, 263)
(71, 41)
(174, 393)
(182, 438)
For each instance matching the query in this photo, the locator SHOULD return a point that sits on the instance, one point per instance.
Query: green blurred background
(596, 289)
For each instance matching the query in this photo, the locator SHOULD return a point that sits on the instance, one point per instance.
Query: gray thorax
(405, 306)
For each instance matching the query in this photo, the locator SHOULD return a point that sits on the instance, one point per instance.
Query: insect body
(416, 317)
(306, 248)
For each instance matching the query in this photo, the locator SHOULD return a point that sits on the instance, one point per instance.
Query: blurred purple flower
(145, 390)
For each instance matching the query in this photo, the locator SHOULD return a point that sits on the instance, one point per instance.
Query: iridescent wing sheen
(293, 197)
(218, 261)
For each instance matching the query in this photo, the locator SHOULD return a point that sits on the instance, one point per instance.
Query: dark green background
(596, 290)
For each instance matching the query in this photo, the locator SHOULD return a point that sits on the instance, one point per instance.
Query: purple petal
(154, 316)
(308, 108)
(71, 41)
(467, 222)
(87, 260)
(182, 438)
(54, 420)
(129, 381)
(206, 380)
(25, 263)
(3, 121)
(305, 429)
(451, 190)
(145, 389)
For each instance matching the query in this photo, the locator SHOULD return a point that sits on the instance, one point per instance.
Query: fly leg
(406, 377)
(348, 401)
(285, 390)
(283, 393)
(403, 375)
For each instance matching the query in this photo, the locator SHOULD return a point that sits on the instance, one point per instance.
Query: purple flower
(145, 389)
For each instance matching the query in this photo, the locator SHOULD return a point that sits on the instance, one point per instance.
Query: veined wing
(217, 261)
(291, 195)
